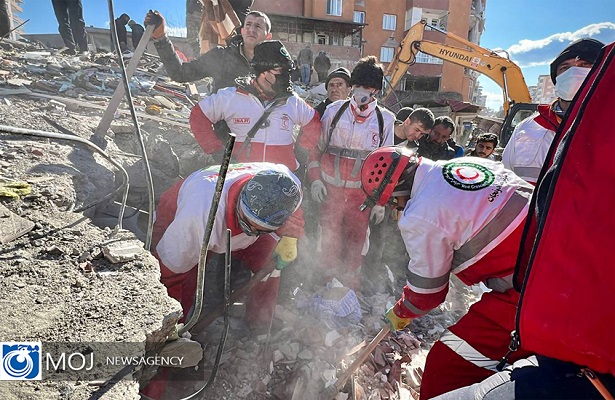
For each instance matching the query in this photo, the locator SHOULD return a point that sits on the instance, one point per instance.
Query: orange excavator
(500, 69)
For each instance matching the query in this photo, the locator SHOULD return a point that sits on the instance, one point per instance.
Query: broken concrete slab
(190, 352)
(12, 225)
(122, 251)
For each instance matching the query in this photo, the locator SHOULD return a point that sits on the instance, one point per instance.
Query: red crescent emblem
(463, 177)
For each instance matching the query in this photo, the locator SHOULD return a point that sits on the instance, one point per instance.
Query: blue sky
(96, 13)
(532, 31)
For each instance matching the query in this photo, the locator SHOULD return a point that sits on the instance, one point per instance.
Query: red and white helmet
(383, 170)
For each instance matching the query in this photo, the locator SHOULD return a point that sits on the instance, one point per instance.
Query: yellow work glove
(13, 189)
(397, 323)
(155, 18)
(287, 249)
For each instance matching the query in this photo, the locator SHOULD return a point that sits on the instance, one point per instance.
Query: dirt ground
(55, 284)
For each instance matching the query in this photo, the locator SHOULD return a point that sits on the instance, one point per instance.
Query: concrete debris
(122, 251)
(12, 226)
(190, 351)
(331, 337)
(305, 355)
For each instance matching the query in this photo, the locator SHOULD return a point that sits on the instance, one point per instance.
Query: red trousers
(470, 350)
(261, 300)
(344, 229)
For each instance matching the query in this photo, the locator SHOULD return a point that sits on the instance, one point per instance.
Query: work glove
(287, 249)
(397, 323)
(153, 17)
(377, 214)
(319, 191)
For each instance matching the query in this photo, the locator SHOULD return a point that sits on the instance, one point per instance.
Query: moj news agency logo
(20, 361)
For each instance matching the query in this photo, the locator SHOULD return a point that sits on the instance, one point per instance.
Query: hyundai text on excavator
(500, 69)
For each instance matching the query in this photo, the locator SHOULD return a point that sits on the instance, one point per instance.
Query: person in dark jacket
(322, 65)
(434, 145)
(305, 58)
(69, 14)
(453, 145)
(5, 20)
(122, 34)
(338, 88)
(136, 32)
(223, 64)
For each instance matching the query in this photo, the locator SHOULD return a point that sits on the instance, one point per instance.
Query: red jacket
(567, 309)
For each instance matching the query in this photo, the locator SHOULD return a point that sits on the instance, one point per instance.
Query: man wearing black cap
(351, 129)
(338, 88)
(267, 90)
(528, 146)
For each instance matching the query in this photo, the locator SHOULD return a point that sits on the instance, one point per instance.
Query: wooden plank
(107, 118)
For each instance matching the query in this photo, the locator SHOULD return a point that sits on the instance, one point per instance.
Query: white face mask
(362, 96)
(569, 82)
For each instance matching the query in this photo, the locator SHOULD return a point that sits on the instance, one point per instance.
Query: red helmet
(382, 171)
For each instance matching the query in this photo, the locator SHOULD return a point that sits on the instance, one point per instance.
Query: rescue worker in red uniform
(241, 107)
(257, 203)
(527, 148)
(565, 270)
(463, 217)
(350, 130)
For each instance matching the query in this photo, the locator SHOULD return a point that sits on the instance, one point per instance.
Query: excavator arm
(504, 72)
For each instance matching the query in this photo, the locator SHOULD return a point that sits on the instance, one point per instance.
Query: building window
(438, 20)
(334, 7)
(359, 17)
(389, 21)
(386, 54)
(423, 58)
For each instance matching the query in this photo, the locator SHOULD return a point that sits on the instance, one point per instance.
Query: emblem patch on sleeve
(467, 176)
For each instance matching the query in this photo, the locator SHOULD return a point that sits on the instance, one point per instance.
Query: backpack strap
(334, 122)
(358, 160)
(259, 124)
(380, 126)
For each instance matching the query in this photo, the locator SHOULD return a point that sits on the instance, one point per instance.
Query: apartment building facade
(388, 23)
(349, 29)
(545, 90)
(14, 8)
(328, 25)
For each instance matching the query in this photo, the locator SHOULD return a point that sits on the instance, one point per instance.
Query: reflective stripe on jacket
(460, 212)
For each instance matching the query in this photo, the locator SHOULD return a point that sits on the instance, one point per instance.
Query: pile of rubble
(308, 348)
(313, 339)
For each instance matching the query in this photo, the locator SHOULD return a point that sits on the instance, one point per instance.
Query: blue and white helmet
(269, 198)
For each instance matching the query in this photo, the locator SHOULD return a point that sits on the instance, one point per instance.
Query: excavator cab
(517, 113)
